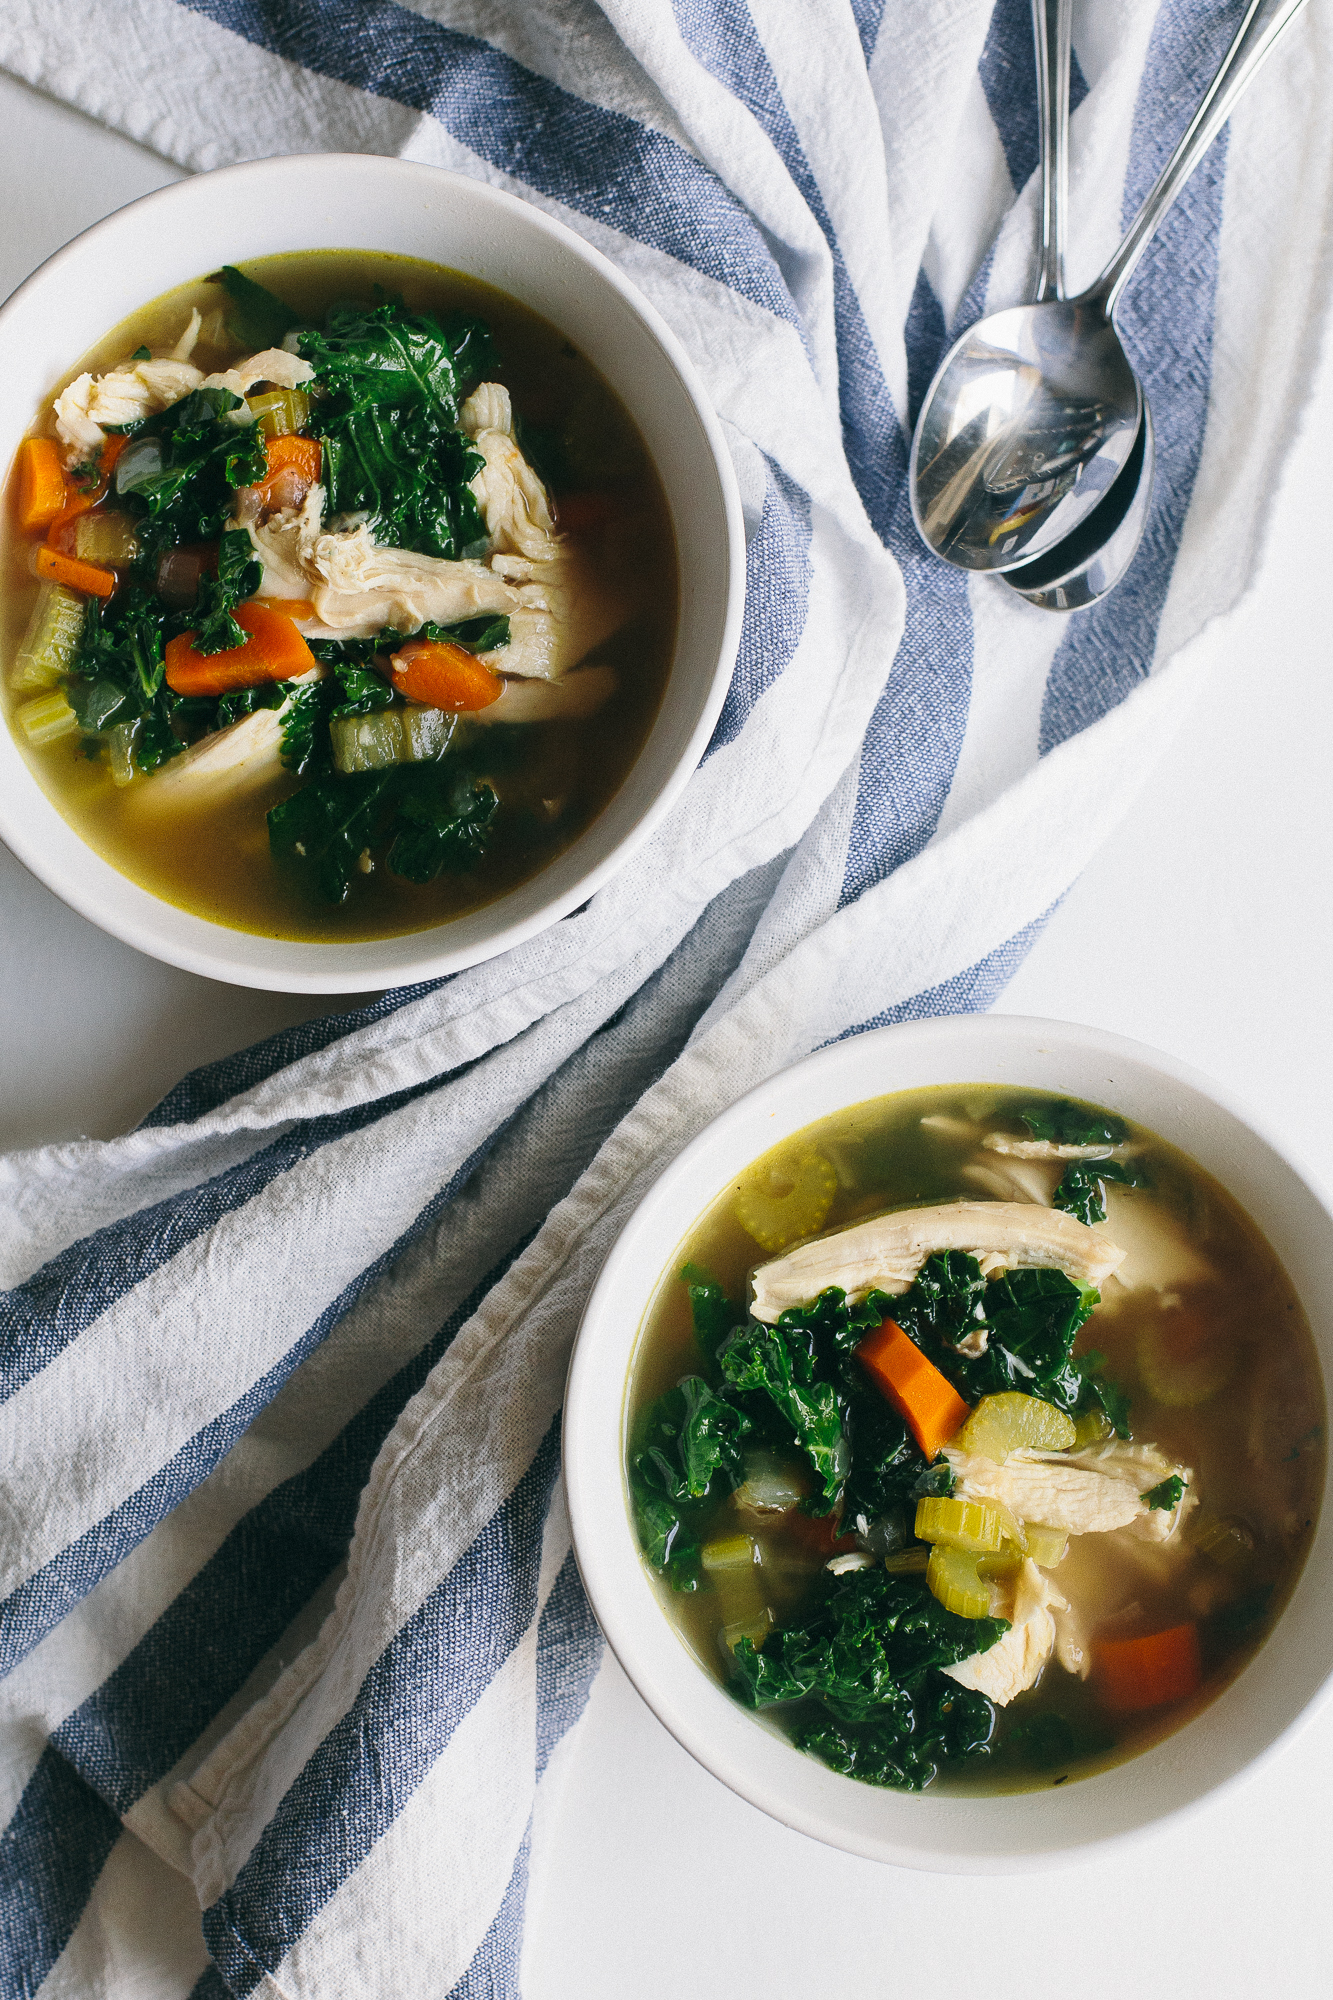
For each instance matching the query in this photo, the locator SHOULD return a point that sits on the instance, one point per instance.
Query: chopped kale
(713, 1313)
(1065, 1123)
(780, 1361)
(904, 1744)
(1166, 1495)
(327, 826)
(688, 1439)
(863, 1651)
(441, 824)
(305, 732)
(387, 390)
(180, 468)
(1082, 1189)
(239, 576)
(1098, 1393)
(479, 635)
(259, 319)
(433, 816)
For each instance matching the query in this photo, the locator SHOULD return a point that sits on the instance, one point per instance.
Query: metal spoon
(1091, 561)
(1035, 411)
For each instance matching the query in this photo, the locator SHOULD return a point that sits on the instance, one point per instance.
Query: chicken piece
(272, 364)
(1048, 1149)
(886, 1253)
(1081, 1493)
(241, 757)
(1013, 1180)
(1157, 1252)
(1015, 1662)
(577, 695)
(513, 501)
(188, 341)
(123, 396)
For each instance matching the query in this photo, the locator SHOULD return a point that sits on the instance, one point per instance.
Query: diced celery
(1224, 1540)
(107, 538)
(426, 733)
(785, 1201)
(1093, 1427)
(965, 1524)
(1003, 1568)
(47, 719)
(770, 1486)
(120, 743)
(1046, 1546)
(953, 1576)
(279, 412)
(1010, 1422)
(392, 736)
(51, 640)
(908, 1562)
(731, 1552)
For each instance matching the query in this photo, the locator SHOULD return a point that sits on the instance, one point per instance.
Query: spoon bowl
(1029, 420)
(1091, 561)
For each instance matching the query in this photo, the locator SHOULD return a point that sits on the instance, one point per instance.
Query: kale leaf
(479, 635)
(688, 1439)
(259, 318)
(1066, 1123)
(1082, 1189)
(713, 1313)
(872, 1634)
(441, 824)
(1166, 1494)
(387, 383)
(180, 468)
(239, 576)
(904, 1743)
(1099, 1393)
(780, 1361)
(328, 825)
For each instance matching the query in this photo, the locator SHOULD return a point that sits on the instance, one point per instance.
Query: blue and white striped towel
(287, 1612)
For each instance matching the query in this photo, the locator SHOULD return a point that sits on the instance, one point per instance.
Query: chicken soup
(977, 1436)
(338, 596)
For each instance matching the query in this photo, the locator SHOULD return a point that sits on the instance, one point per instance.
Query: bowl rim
(177, 936)
(716, 1731)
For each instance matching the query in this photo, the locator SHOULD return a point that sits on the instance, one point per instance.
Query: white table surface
(1203, 928)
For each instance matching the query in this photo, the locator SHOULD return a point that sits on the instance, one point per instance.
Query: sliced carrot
(41, 484)
(58, 568)
(1133, 1674)
(445, 676)
(298, 608)
(926, 1401)
(301, 456)
(273, 651)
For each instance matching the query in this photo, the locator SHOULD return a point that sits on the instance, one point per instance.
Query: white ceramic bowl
(349, 201)
(1002, 1833)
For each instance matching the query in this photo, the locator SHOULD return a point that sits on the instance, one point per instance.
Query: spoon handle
(1050, 33)
(1264, 21)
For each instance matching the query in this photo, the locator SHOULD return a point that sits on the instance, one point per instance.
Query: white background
(1203, 928)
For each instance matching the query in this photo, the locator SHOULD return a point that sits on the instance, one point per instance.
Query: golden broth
(1242, 1406)
(552, 778)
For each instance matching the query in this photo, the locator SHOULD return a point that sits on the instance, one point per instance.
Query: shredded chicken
(1081, 1493)
(1048, 1149)
(1013, 1180)
(138, 389)
(273, 364)
(512, 499)
(244, 755)
(886, 1253)
(1015, 1662)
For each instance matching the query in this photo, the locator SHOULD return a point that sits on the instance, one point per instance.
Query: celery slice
(120, 743)
(106, 538)
(1012, 1422)
(47, 719)
(51, 640)
(1223, 1539)
(1046, 1546)
(953, 1576)
(785, 1200)
(909, 1562)
(280, 412)
(731, 1552)
(391, 736)
(1092, 1427)
(755, 1629)
(966, 1524)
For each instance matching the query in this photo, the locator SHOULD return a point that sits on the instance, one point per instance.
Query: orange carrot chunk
(54, 567)
(78, 499)
(926, 1401)
(445, 676)
(41, 484)
(1133, 1674)
(273, 651)
(293, 468)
